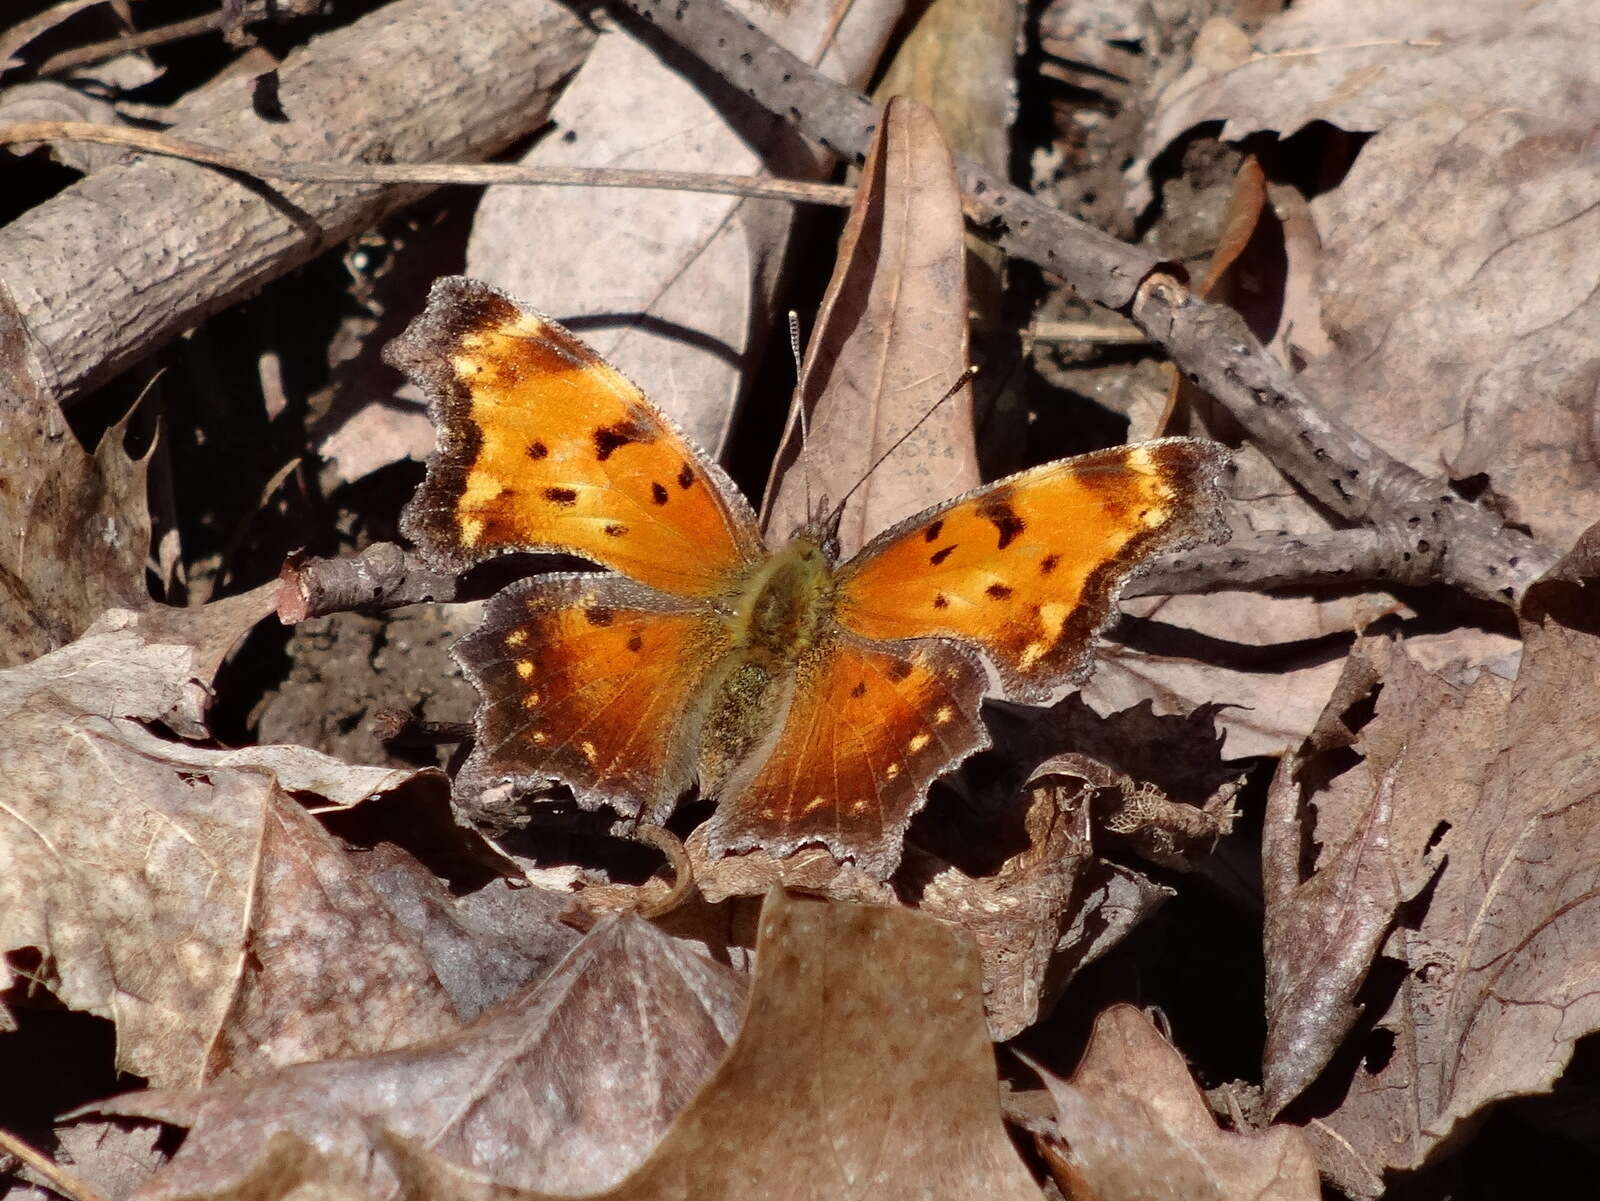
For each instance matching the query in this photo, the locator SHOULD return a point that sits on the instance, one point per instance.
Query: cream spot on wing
(481, 488)
(525, 668)
(517, 638)
(532, 699)
(943, 714)
(539, 738)
(815, 803)
(891, 772)
(1052, 616)
(528, 326)
(918, 741)
(769, 811)
(471, 531)
(858, 806)
(1032, 653)
(588, 750)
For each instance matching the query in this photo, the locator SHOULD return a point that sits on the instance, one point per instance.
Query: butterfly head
(821, 529)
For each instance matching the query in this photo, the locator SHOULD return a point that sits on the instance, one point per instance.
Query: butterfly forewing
(868, 729)
(591, 680)
(543, 445)
(1028, 569)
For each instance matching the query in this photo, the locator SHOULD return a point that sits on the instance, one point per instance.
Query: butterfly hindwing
(587, 679)
(867, 730)
(1028, 569)
(543, 445)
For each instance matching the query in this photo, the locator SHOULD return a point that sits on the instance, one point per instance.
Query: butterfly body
(781, 616)
(815, 699)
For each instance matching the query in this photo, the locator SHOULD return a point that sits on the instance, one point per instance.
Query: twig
(479, 174)
(1279, 561)
(95, 52)
(63, 1181)
(1462, 544)
(381, 577)
(386, 577)
(23, 32)
(1123, 333)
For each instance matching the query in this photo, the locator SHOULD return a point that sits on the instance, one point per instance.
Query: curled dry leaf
(180, 892)
(810, 869)
(1017, 916)
(1500, 970)
(1132, 1125)
(567, 1086)
(890, 340)
(1424, 748)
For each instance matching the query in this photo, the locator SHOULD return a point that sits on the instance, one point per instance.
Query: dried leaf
(1134, 1127)
(1018, 914)
(755, 873)
(79, 529)
(1374, 834)
(567, 1086)
(890, 339)
(1500, 970)
(177, 891)
(862, 1070)
(483, 946)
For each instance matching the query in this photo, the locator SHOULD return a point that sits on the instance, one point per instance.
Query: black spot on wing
(561, 496)
(658, 494)
(686, 477)
(860, 690)
(1048, 564)
(941, 601)
(898, 670)
(931, 534)
(997, 591)
(538, 451)
(610, 438)
(616, 530)
(940, 555)
(599, 615)
(1008, 525)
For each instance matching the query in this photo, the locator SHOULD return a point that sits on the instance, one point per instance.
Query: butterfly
(816, 700)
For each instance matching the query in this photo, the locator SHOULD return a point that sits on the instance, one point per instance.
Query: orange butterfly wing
(587, 679)
(867, 730)
(544, 446)
(1028, 568)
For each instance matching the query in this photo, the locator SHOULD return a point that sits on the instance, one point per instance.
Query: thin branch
(63, 1181)
(23, 32)
(1468, 546)
(1280, 562)
(386, 577)
(381, 577)
(477, 174)
(1123, 333)
(97, 52)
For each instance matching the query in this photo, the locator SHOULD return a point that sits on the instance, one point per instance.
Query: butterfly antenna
(965, 378)
(805, 424)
